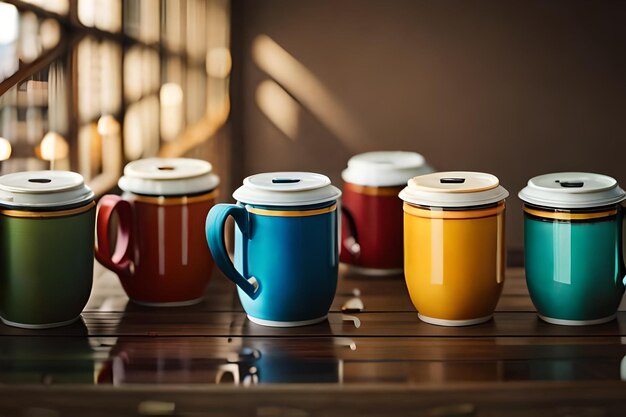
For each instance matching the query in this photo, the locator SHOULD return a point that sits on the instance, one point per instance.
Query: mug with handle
(573, 246)
(454, 251)
(46, 244)
(160, 254)
(286, 246)
(372, 226)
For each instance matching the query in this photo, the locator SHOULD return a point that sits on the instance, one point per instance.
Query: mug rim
(573, 215)
(373, 190)
(168, 200)
(63, 212)
(290, 211)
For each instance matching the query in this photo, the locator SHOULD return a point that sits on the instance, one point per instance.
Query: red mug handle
(350, 243)
(120, 260)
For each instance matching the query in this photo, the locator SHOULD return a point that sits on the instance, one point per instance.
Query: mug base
(373, 272)
(168, 304)
(562, 322)
(454, 323)
(271, 323)
(39, 326)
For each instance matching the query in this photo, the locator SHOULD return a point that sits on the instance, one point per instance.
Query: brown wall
(511, 88)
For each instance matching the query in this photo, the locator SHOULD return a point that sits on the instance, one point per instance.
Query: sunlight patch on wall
(279, 107)
(306, 87)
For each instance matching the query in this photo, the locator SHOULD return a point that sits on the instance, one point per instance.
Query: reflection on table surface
(118, 343)
(266, 360)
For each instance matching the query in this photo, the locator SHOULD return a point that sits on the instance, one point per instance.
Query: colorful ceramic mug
(454, 253)
(573, 246)
(46, 244)
(372, 226)
(160, 255)
(286, 246)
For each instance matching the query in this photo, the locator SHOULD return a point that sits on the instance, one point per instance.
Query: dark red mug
(372, 235)
(160, 253)
(372, 227)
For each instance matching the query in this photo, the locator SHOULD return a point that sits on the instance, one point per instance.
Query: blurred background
(515, 88)
(89, 85)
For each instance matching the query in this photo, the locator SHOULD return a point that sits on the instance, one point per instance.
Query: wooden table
(208, 359)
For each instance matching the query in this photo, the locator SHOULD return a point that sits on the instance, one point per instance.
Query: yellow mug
(454, 250)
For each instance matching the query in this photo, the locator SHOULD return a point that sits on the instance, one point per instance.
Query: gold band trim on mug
(291, 213)
(453, 214)
(569, 216)
(373, 191)
(170, 201)
(48, 214)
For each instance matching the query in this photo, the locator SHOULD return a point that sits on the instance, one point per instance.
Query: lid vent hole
(40, 180)
(571, 184)
(166, 168)
(285, 180)
(452, 180)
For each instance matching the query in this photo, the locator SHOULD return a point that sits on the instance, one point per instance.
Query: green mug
(573, 247)
(46, 248)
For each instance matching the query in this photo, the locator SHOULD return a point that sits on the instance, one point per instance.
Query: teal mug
(46, 248)
(573, 243)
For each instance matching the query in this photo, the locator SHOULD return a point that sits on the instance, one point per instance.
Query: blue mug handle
(215, 221)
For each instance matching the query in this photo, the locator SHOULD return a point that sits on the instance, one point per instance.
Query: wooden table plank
(206, 360)
(142, 321)
(361, 349)
(513, 399)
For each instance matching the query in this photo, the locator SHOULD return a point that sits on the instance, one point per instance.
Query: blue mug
(286, 253)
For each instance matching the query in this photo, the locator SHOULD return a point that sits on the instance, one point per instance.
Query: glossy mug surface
(373, 220)
(286, 260)
(574, 263)
(454, 262)
(47, 265)
(161, 255)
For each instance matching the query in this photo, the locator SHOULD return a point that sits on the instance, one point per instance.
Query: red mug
(160, 254)
(372, 236)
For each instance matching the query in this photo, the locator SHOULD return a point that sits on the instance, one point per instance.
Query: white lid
(168, 176)
(286, 189)
(42, 189)
(454, 189)
(384, 168)
(572, 190)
